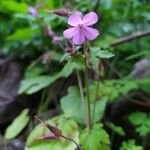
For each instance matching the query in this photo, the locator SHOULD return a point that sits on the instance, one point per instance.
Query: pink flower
(33, 11)
(80, 30)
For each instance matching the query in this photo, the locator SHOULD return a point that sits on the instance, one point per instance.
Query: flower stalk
(86, 50)
(82, 99)
(87, 94)
(95, 98)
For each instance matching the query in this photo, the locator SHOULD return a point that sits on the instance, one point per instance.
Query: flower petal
(90, 19)
(69, 33)
(75, 19)
(90, 33)
(79, 37)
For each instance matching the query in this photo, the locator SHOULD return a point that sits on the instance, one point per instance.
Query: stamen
(80, 25)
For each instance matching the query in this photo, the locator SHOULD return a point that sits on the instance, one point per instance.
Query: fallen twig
(130, 38)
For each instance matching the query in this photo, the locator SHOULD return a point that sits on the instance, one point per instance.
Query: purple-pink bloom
(81, 30)
(33, 11)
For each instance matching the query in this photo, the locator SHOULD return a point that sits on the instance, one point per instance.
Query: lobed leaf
(130, 145)
(119, 130)
(141, 121)
(94, 139)
(72, 107)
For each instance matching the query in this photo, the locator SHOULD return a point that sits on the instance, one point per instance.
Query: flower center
(80, 25)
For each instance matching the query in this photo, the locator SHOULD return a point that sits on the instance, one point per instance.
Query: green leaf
(23, 34)
(96, 52)
(53, 4)
(106, 40)
(99, 108)
(76, 62)
(106, 4)
(68, 127)
(72, 107)
(130, 145)
(115, 88)
(119, 130)
(13, 6)
(95, 139)
(34, 71)
(105, 54)
(137, 118)
(144, 85)
(140, 54)
(141, 121)
(57, 4)
(32, 85)
(143, 130)
(17, 125)
(64, 57)
(67, 70)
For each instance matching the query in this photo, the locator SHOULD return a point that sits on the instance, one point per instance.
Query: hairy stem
(93, 113)
(82, 98)
(87, 92)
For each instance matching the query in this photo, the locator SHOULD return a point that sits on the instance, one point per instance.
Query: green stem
(82, 98)
(87, 92)
(93, 113)
(70, 139)
(45, 97)
(46, 102)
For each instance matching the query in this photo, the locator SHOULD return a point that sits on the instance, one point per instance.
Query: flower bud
(59, 12)
(70, 48)
(56, 132)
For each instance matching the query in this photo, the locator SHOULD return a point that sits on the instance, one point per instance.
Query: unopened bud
(59, 12)
(70, 47)
(68, 50)
(57, 132)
